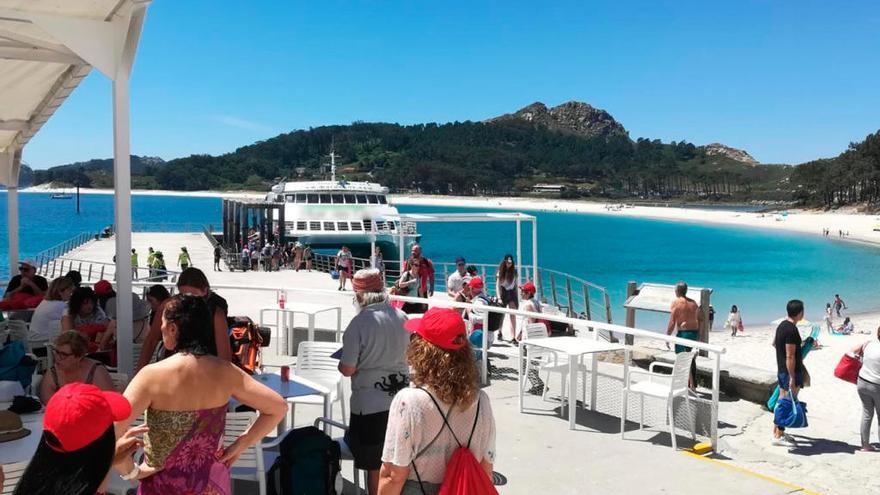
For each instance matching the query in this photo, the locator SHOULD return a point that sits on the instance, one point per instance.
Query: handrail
(62, 248)
(86, 268)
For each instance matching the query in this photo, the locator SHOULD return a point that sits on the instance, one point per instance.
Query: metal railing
(92, 271)
(62, 248)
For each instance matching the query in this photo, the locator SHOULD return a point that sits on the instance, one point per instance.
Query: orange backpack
(246, 340)
(464, 474)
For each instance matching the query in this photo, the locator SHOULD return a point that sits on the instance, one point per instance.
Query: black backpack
(308, 464)
(496, 320)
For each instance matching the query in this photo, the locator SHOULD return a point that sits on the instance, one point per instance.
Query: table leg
(290, 333)
(311, 327)
(572, 390)
(594, 380)
(338, 324)
(328, 412)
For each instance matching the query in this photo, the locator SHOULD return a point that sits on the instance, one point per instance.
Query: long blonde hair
(450, 375)
(56, 287)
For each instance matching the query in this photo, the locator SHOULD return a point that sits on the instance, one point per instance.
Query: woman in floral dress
(185, 398)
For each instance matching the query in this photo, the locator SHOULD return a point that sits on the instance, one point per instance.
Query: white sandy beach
(860, 227)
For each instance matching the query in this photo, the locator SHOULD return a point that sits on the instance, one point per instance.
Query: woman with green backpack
(441, 433)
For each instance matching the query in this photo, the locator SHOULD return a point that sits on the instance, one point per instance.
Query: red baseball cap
(441, 327)
(78, 414)
(103, 287)
(528, 287)
(475, 283)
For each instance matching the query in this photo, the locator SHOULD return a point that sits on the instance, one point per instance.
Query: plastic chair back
(681, 370)
(236, 424)
(13, 473)
(314, 357)
(120, 381)
(535, 331)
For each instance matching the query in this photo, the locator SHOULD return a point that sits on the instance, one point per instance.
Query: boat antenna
(333, 162)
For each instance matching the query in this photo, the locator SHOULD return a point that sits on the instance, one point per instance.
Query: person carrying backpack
(441, 432)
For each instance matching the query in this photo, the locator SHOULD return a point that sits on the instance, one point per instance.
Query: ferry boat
(61, 195)
(331, 213)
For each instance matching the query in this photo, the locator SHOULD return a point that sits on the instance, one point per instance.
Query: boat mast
(332, 164)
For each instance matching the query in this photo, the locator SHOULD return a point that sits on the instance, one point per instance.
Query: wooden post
(631, 290)
(704, 325)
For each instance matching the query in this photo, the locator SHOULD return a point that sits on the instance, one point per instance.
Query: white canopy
(46, 48)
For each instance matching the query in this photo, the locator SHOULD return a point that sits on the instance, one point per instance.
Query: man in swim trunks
(686, 318)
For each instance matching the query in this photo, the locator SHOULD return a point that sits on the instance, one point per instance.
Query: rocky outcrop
(718, 149)
(574, 116)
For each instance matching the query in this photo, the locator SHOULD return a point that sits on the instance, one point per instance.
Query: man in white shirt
(455, 283)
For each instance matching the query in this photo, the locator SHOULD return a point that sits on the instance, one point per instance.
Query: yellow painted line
(749, 472)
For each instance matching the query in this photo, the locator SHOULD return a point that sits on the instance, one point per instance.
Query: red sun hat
(528, 287)
(475, 283)
(441, 327)
(103, 287)
(78, 414)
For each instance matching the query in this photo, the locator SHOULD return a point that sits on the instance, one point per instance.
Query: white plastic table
(22, 449)
(309, 309)
(574, 348)
(295, 387)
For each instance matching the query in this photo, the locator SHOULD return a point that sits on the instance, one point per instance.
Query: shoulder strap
(476, 417)
(55, 376)
(445, 425)
(91, 375)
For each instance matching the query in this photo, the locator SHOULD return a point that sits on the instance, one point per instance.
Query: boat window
(313, 198)
(314, 225)
(371, 198)
(329, 226)
(349, 198)
(301, 225)
(343, 225)
(337, 199)
(301, 198)
(361, 198)
(356, 226)
(382, 199)
(391, 225)
(368, 225)
(325, 199)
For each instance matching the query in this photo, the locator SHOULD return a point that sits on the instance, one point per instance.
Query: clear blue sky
(788, 81)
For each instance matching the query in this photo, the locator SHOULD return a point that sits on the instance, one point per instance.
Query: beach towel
(806, 347)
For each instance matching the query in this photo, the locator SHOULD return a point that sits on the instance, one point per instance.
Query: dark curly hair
(81, 295)
(450, 375)
(195, 329)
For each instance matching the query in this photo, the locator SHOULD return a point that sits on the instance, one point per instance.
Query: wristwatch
(132, 475)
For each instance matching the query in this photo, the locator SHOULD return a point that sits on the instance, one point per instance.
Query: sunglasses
(61, 354)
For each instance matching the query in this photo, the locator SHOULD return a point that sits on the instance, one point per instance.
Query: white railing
(94, 270)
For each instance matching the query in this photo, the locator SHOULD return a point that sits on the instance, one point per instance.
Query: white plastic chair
(13, 473)
(548, 362)
(249, 465)
(17, 330)
(661, 386)
(313, 362)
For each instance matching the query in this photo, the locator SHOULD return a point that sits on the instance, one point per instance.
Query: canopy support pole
(122, 214)
(11, 160)
(535, 274)
(519, 260)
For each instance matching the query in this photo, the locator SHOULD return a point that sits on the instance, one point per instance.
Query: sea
(756, 269)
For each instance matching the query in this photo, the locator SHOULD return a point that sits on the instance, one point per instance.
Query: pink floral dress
(184, 444)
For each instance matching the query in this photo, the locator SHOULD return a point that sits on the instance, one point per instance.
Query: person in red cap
(529, 303)
(443, 378)
(79, 442)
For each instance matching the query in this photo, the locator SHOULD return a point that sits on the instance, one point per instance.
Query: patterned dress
(184, 444)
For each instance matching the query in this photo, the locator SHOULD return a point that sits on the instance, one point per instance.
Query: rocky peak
(718, 149)
(573, 116)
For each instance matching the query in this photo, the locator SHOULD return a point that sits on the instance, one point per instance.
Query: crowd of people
(273, 256)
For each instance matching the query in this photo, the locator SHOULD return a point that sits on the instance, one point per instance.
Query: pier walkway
(537, 453)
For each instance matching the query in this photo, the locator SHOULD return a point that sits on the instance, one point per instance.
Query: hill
(97, 172)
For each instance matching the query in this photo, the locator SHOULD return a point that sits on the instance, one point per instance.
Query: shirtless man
(685, 318)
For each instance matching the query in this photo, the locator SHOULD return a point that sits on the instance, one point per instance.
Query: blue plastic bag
(790, 414)
(334, 274)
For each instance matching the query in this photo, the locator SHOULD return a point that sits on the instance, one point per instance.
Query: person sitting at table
(26, 282)
(86, 317)
(185, 397)
(46, 322)
(104, 291)
(79, 443)
(71, 365)
(193, 281)
(156, 295)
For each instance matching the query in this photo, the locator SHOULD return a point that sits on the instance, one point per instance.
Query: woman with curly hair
(505, 289)
(443, 409)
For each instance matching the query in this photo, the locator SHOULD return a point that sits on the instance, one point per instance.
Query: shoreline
(859, 226)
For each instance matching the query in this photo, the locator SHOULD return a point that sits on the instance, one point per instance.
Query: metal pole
(11, 159)
(587, 311)
(519, 260)
(553, 288)
(122, 216)
(535, 255)
(571, 313)
(716, 385)
(631, 290)
(607, 306)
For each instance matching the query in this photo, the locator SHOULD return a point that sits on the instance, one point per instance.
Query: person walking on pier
(343, 266)
(217, 258)
(183, 260)
(789, 363)
(838, 304)
(426, 270)
(134, 264)
(307, 256)
(297, 256)
(506, 283)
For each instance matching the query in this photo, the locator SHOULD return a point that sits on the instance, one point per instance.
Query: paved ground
(537, 453)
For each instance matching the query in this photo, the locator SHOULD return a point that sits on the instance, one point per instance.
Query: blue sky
(787, 81)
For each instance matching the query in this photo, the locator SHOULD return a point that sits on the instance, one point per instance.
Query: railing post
(80, 267)
(553, 288)
(607, 306)
(571, 312)
(102, 272)
(539, 283)
(587, 312)
(90, 272)
(54, 262)
(716, 385)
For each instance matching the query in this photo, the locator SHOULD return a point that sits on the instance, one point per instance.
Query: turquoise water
(755, 269)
